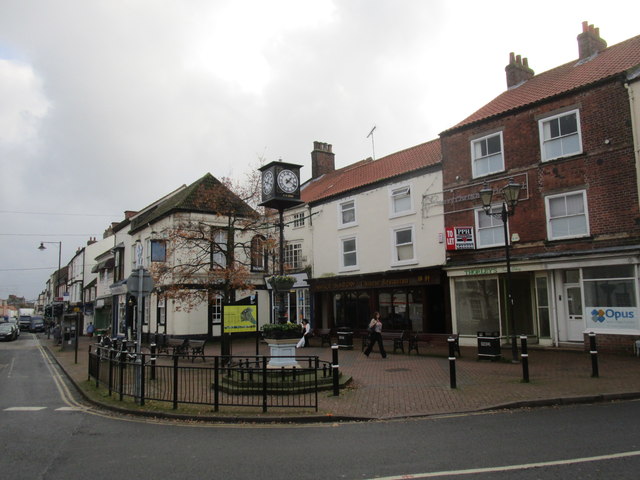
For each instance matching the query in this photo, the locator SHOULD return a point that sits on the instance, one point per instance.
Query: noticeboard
(240, 318)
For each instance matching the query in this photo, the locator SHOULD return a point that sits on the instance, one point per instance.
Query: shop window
(477, 307)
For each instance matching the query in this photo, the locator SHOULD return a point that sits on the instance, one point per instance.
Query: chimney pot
(518, 71)
(322, 159)
(589, 41)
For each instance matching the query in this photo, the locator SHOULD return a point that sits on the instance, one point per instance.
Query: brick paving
(410, 385)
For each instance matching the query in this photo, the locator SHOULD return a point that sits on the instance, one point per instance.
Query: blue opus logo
(599, 315)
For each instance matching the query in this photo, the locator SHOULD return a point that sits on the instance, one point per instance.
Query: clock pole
(281, 307)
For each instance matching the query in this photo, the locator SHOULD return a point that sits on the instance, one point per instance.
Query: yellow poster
(240, 318)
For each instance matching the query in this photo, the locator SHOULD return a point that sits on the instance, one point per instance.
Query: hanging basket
(282, 283)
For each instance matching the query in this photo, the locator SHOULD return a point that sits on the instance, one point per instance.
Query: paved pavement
(410, 385)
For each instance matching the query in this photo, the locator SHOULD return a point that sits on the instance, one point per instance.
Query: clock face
(267, 182)
(287, 181)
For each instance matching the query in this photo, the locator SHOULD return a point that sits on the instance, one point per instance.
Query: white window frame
(293, 255)
(561, 138)
(397, 193)
(220, 240)
(395, 262)
(476, 159)
(298, 219)
(547, 201)
(343, 266)
(496, 224)
(342, 210)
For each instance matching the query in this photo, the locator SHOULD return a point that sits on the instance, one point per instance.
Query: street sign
(133, 283)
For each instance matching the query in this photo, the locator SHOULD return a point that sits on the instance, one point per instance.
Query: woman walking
(375, 329)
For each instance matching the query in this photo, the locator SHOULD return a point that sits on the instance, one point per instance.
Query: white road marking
(507, 468)
(68, 409)
(23, 409)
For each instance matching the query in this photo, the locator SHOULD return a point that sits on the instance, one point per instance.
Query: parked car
(13, 321)
(8, 332)
(24, 322)
(37, 324)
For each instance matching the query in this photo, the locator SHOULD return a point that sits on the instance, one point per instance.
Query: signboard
(613, 317)
(460, 238)
(240, 318)
(133, 283)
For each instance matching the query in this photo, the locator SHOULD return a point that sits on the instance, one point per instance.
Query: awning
(104, 265)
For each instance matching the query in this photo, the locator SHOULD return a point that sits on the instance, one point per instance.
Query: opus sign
(614, 317)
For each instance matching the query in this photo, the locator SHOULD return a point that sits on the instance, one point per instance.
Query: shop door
(575, 318)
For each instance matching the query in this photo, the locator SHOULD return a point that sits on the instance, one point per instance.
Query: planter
(281, 284)
(282, 352)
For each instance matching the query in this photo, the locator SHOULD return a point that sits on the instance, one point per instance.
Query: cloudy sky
(107, 105)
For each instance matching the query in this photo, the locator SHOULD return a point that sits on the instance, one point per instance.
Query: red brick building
(567, 137)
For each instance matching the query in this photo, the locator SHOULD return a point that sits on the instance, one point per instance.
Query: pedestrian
(90, 329)
(57, 335)
(306, 331)
(375, 335)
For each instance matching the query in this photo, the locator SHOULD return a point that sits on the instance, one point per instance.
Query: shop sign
(613, 317)
(460, 238)
(240, 318)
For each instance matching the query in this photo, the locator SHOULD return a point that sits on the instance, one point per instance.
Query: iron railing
(239, 381)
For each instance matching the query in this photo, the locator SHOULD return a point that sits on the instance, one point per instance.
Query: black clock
(280, 185)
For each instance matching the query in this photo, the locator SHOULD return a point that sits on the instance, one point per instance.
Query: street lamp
(54, 287)
(510, 193)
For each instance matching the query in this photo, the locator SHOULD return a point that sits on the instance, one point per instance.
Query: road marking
(23, 409)
(507, 468)
(68, 409)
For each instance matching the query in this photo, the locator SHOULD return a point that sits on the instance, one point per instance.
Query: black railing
(239, 381)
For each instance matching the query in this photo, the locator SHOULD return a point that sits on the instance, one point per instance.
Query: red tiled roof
(612, 61)
(367, 172)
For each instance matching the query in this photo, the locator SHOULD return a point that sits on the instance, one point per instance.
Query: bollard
(153, 348)
(336, 371)
(524, 355)
(594, 355)
(452, 362)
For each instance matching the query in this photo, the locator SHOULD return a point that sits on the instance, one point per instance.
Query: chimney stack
(589, 41)
(322, 160)
(518, 70)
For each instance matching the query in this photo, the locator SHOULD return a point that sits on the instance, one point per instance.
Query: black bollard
(594, 355)
(153, 360)
(452, 362)
(336, 371)
(524, 355)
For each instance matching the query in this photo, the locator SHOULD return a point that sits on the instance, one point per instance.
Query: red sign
(460, 238)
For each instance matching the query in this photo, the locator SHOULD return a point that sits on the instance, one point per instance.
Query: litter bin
(489, 345)
(345, 338)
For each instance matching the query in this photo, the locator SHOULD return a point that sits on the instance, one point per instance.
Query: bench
(430, 339)
(324, 334)
(178, 346)
(197, 349)
(397, 337)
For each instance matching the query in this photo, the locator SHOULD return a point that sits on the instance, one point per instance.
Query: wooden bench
(431, 339)
(396, 337)
(324, 334)
(197, 349)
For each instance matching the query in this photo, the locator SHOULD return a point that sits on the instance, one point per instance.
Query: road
(46, 433)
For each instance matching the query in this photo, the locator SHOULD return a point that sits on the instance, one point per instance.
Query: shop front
(407, 300)
(556, 302)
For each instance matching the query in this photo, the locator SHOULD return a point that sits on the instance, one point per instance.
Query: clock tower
(280, 185)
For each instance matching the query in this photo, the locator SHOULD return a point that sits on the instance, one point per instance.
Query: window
(219, 249)
(403, 251)
(486, 154)
(610, 296)
(347, 213)
(401, 200)
(542, 298)
(258, 254)
(349, 254)
(293, 256)
(560, 135)
(158, 251)
(298, 220)
(489, 230)
(477, 307)
(567, 215)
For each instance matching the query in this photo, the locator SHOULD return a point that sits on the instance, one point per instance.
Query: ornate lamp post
(510, 194)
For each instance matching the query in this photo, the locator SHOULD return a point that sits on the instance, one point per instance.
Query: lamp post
(55, 286)
(510, 193)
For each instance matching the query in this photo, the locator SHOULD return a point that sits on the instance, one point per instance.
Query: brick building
(567, 137)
